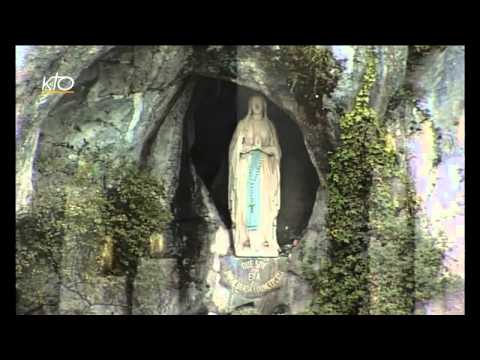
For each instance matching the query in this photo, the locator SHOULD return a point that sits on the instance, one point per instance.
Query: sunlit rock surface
(437, 163)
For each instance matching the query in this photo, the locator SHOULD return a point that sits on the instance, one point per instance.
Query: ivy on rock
(373, 265)
(342, 285)
(103, 209)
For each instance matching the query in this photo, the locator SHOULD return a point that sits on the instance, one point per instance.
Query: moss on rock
(69, 222)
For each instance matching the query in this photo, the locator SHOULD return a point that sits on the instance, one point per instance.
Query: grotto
(122, 186)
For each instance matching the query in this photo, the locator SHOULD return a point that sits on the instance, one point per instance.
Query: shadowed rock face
(175, 108)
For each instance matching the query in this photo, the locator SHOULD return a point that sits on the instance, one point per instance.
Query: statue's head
(257, 106)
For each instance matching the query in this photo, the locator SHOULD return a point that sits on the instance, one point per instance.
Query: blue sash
(253, 190)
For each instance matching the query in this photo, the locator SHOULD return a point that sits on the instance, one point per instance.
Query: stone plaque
(252, 277)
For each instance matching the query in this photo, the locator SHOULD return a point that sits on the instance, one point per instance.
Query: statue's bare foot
(266, 244)
(246, 243)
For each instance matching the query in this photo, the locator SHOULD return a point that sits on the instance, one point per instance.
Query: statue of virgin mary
(254, 183)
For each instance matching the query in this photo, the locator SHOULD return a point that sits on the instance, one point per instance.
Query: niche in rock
(215, 109)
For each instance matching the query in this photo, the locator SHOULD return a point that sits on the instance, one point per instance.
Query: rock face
(159, 294)
(438, 164)
(147, 104)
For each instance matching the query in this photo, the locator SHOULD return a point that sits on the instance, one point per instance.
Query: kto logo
(58, 85)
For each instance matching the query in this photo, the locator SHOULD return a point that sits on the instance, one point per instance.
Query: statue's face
(257, 106)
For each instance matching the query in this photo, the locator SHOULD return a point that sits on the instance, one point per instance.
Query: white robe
(261, 242)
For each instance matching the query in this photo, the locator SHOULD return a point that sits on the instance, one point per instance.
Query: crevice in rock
(189, 226)
(147, 146)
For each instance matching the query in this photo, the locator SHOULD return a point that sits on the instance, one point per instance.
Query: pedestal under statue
(254, 183)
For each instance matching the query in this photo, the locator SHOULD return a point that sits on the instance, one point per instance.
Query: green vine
(375, 265)
(342, 286)
(431, 277)
(392, 233)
